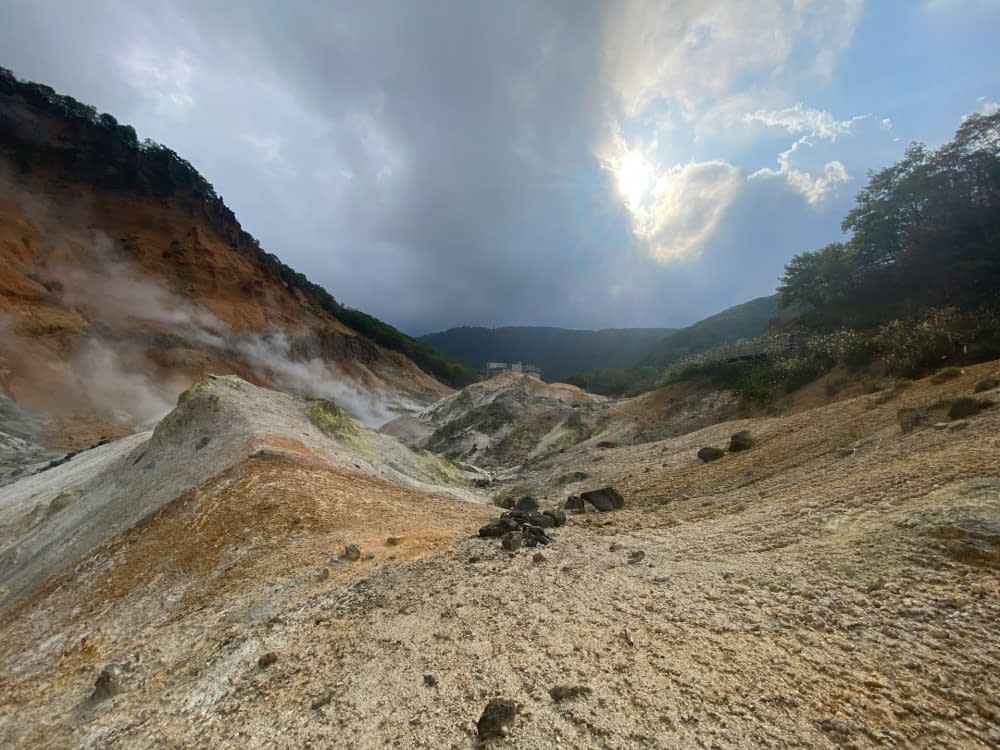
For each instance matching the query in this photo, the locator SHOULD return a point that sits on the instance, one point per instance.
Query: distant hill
(746, 321)
(557, 351)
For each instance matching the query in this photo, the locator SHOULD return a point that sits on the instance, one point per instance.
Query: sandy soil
(835, 586)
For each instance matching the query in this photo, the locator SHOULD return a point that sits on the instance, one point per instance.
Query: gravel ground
(834, 586)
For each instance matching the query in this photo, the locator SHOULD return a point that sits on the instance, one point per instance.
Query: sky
(569, 163)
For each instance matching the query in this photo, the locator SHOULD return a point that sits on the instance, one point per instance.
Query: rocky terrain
(834, 585)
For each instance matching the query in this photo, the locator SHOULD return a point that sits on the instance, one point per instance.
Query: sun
(634, 175)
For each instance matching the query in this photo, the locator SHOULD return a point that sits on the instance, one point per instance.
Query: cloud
(163, 77)
(800, 119)
(692, 52)
(441, 163)
(886, 125)
(685, 207)
(814, 188)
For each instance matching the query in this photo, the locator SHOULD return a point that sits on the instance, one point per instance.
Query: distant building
(493, 369)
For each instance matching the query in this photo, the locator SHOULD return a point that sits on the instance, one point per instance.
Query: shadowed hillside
(557, 351)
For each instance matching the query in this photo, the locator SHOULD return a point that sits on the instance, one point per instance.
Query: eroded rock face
(605, 499)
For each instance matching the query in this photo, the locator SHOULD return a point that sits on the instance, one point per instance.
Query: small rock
(430, 680)
(986, 384)
(369, 555)
(322, 700)
(741, 441)
(393, 540)
(636, 557)
(708, 453)
(108, 683)
(574, 504)
(533, 536)
(526, 503)
(617, 547)
(605, 499)
(267, 660)
(474, 558)
(661, 579)
(561, 692)
(538, 557)
(726, 575)
(482, 482)
(323, 575)
(558, 516)
(352, 552)
(511, 541)
(496, 718)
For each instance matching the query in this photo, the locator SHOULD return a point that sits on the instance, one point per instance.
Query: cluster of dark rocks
(740, 441)
(524, 525)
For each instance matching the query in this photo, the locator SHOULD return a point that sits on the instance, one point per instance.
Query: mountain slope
(802, 593)
(746, 321)
(557, 351)
(124, 278)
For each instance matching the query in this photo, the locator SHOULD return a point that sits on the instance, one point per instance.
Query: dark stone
(556, 515)
(636, 557)
(741, 441)
(965, 407)
(511, 540)
(987, 384)
(574, 504)
(498, 528)
(108, 683)
(482, 482)
(562, 692)
(430, 680)
(322, 700)
(526, 503)
(538, 558)
(708, 453)
(605, 499)
(267, 660)
(499, 713)
(352, 552)
(533, 536)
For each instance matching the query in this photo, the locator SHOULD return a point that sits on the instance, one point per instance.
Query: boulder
(574, 504)
(498, 528)
(558, 516)
(741, 441)
(605, 499)
(708, 453)
(526, 503)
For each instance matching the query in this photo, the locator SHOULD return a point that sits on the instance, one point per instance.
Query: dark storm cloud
(436, 163)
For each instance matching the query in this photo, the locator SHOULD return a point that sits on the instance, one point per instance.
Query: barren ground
(835, 586)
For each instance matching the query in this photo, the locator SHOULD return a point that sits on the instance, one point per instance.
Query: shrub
(966, 406)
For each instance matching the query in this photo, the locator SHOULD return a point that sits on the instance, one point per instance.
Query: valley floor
(835, 586)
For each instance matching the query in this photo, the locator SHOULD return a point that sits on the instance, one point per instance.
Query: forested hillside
(559, 352)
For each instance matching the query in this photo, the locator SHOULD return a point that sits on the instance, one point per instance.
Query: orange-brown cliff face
(123, 279)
